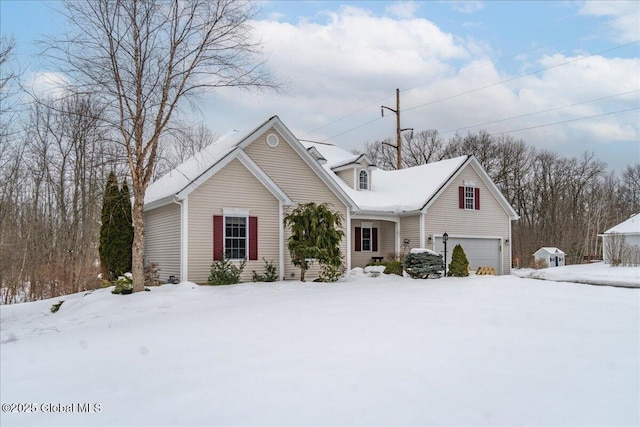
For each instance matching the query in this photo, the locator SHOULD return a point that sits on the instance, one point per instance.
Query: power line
(490, 85)
(521, 76)
(348, 115)
(538, 112)
(510, 55)
(565, 121)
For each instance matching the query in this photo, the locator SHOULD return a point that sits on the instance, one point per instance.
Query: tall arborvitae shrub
(116, 232)
(459, 266)
(316, 232)
(109, 233)
(126, 229)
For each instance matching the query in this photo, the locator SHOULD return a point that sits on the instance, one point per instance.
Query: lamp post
(445, 237)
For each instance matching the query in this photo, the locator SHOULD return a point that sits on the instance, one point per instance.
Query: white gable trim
(308, 158)
(242, 157)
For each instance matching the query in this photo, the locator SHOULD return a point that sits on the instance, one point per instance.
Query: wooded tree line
(55, 157)
(126, 69)
(562, 202)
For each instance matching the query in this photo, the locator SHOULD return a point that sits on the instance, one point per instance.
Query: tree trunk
(137, 250)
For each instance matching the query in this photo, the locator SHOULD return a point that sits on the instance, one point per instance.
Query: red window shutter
(461, 197)
(358, 239)
(218, 237)
(477, 198)
(374, 239)
(253, 238)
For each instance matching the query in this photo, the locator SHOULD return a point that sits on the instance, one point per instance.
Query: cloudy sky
(563, 76)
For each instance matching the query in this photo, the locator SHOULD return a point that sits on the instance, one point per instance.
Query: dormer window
(363, 180)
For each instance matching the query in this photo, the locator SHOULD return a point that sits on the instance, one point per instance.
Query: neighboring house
(550, 257)
(229, 200)
(629, 230)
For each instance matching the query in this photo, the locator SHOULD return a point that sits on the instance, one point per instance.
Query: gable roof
(630, 226)
(550, 250)
(395, 191)
(185, 178)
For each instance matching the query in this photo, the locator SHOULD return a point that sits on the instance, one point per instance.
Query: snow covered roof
(179, 178)
(396, 191)
(630, 226)
(193, 172)
(550, 250)
(392, 191)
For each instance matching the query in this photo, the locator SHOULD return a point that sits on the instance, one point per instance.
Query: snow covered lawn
(597, 273)
(371, 351)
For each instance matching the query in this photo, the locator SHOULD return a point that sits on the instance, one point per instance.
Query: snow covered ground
(368, 351)
(597, 273)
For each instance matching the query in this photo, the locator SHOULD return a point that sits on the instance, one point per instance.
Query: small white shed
(550, 257)
(629, 230)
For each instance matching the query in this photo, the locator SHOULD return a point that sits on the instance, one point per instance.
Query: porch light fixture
(506, 242)
(429, 240)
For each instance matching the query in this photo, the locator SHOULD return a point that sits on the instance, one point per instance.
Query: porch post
(281, 239)
(348, 226)
(422, 230)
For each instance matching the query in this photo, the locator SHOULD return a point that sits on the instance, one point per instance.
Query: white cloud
(468, 7)
(47, 84)
(403, 9)
(624, 17)
(341, 70)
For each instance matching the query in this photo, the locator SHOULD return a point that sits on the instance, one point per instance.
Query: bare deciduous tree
(143, 58)
(180, 145)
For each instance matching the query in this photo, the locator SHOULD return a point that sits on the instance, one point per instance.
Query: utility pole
(399, 130)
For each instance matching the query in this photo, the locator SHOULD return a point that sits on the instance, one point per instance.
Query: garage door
(480, 252)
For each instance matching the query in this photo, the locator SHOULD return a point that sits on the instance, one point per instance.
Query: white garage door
(480, 252)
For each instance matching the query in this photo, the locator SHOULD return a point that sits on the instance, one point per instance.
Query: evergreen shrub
(123, 285)
(459, 266)
(422, 265)
(55, 307)
(270, 273)
(330, 273)
(392, 267)
(225, 272)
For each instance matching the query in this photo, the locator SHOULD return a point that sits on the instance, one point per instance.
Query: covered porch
(374, 239)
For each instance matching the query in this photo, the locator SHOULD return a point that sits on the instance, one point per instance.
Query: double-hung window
(366, 239)
(469, 199)
(469, 196)
(235, 237)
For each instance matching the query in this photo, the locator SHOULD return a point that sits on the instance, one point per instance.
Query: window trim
(368, 240)
(469, 200)
(246, 236)
(361, 174)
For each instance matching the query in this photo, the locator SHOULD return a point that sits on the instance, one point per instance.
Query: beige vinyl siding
(387, 245)
(410, 229)
(347, 176)
(491, 220)
(231, 187)
(296, 178)
(162, 240)
(386, 242)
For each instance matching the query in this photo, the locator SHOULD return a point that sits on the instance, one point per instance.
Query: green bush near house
(224, 272)
(123, 285)
(392, 267)
(459, 266)
(270, 273)
(422, 265)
